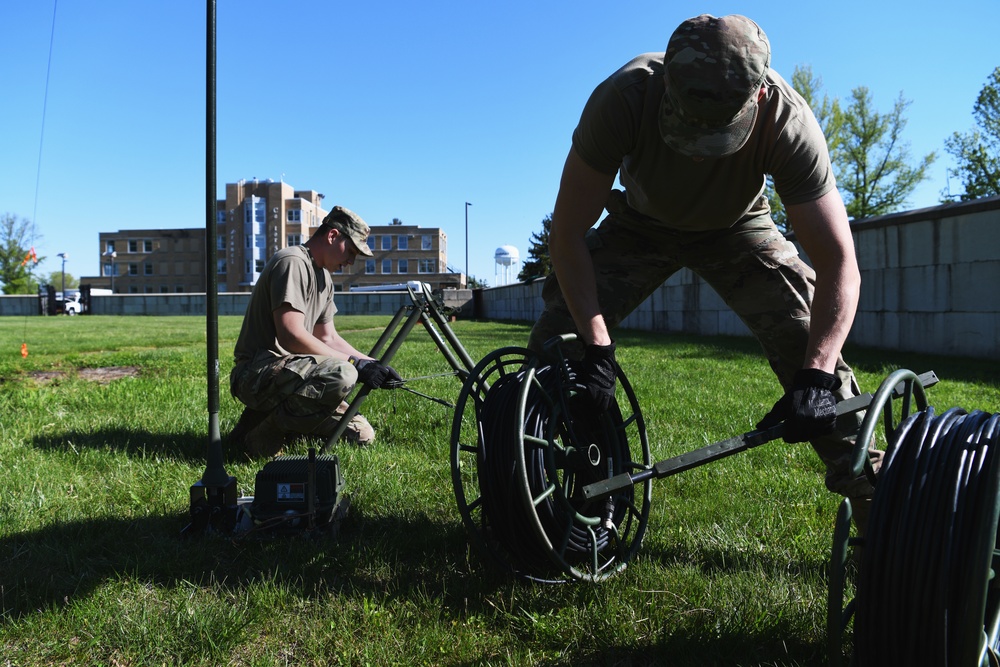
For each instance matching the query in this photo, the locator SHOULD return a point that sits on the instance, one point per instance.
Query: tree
(476, 283)
(978, 152)
(17, 255)
(872, 162)
(540, 264)
(56, 280)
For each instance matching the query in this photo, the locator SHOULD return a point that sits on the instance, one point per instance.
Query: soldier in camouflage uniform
(692, 134)
(293, 370)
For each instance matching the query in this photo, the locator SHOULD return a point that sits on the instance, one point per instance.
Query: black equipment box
(299, 490)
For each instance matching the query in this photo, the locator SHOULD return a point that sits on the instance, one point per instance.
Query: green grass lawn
(95, 471)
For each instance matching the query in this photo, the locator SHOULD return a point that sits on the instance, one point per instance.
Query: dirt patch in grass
(99, 375)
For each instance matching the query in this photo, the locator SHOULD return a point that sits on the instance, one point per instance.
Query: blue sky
(398, 109)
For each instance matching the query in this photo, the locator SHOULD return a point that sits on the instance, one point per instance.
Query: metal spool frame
(928, 565)
(545, 444)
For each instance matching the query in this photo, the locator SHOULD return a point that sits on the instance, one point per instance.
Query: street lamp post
(112, 254)
(467, 205)
(64, 257)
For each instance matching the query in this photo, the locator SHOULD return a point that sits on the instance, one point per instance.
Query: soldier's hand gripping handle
(597, 373)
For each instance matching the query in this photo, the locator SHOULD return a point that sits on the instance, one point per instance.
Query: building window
(164, 289)
(293, 215)
(148, 289)
(402, 243)
(133, 269)
(109, 246)
(386, 243)
(133, 289)
(147, 245)
(404, 266)
(258, 265)
(147, 268)
(294, 239)
(426, 266)
(426, 242)
(133, 245)
(110, 269)
(220, 242)
(386, 266)
(220, 265)
(370, 266)
(179, 288)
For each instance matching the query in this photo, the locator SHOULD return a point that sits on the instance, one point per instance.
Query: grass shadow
(383, 557)
(135, 443)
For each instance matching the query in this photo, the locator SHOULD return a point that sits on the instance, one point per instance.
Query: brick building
(255, 220)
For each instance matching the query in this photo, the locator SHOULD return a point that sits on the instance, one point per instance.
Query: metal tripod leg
(422, 309)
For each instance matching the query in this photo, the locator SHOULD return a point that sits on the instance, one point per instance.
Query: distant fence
(930, 282)
(231, 303)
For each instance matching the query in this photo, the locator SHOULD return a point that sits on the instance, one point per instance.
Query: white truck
(72, 305)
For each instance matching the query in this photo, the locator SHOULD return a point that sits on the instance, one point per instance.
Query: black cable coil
(927, 554)
(548, 414)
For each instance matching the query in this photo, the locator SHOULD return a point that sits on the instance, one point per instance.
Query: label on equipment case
(291, 492)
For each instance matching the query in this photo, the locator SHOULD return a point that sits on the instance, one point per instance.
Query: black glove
(597, 373)
(808, 408)
(375, 374)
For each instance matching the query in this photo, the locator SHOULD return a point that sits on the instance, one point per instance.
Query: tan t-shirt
(619, 132)
(289, 277)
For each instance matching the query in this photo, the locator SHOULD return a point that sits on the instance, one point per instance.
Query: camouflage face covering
(713, 68)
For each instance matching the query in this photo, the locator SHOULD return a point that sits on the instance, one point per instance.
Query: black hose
(927, 555)
(552, 410)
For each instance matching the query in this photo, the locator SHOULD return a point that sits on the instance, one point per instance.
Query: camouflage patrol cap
(350, 223)
(713, 68)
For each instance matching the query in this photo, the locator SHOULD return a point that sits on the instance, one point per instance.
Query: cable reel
(525, 441)
(928, 560)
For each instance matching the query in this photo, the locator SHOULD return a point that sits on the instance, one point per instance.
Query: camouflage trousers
(755, 270)
(301, 391)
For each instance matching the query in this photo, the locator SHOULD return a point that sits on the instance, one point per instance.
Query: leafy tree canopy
(17, 255)
(977, 153)
(872, 163)
(476, 283)
(55, 279)
(874, 172)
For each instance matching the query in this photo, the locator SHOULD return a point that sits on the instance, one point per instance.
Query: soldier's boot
(255, 436)
(358, 430)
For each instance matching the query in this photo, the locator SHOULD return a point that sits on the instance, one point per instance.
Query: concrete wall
(19, 304)
(930, 283)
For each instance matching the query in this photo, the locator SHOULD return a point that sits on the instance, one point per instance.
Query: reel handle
(725, 448)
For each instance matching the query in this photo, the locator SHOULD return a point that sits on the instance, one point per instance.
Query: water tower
(506, 269)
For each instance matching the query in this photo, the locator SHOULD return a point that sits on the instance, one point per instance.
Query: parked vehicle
(73, 304)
